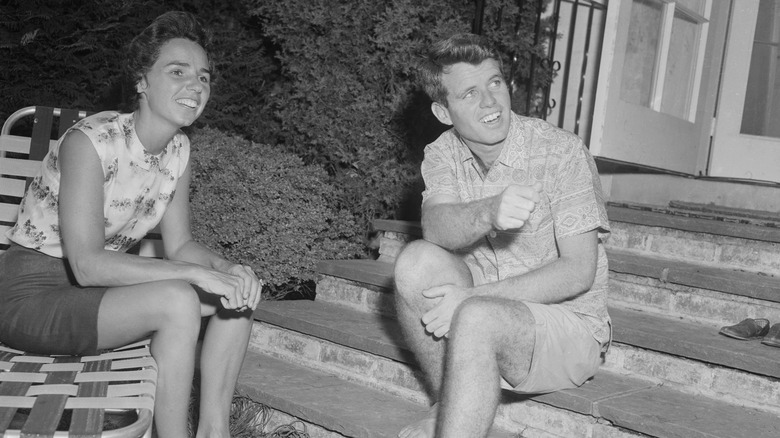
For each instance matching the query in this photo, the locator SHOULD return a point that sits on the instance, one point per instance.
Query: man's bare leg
(420, 266)
(489, 338)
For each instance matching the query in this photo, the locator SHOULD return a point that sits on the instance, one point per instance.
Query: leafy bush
(263, 207)
(328, 80)
(348, 99)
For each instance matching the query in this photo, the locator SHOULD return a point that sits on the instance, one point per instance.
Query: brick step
(696, 292)
(698, 218)
(324, 400)
(690, 355)
(739, 239)
(377, 294)
(331, 406)
(365, 348)
(738, 243)
(327, 403)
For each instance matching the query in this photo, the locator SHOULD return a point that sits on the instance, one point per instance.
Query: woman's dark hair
(144, 49)
(463, 47)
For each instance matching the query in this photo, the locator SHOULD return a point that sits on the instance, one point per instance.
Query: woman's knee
(179, 301)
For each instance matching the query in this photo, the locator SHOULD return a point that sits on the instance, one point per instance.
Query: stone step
(331, 407)
(324, 400)
(698, 292)
(725, 222)
(695, 292)
(705, 238)
(690, 355)
(365, 348)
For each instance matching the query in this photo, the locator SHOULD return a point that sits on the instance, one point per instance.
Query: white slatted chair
(60, 396)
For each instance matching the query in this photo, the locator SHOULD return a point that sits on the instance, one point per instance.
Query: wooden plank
(693, 341)
(604, 385)
(405, 227)
(364, 331)
(664, 412)
(730, 281)
(363, 271)
(724, 211)
(693, 224)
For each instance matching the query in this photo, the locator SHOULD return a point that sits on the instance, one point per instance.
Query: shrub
(328, 80)
(263, 207)
(68, 54)
(347, 97)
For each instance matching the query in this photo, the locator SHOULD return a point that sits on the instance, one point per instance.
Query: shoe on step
(772, 338)
(749, 329)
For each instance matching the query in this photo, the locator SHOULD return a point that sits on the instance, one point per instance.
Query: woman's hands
(251, 286)
(238, 287)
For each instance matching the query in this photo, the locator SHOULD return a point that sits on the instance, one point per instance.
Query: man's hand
(514, 205)
(437, 320)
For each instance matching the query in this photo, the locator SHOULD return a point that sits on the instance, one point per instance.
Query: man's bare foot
(423, 428)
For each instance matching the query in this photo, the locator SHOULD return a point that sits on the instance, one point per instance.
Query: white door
(746, 140)
(658, 81)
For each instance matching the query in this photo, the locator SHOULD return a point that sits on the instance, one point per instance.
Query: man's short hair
(462, 47)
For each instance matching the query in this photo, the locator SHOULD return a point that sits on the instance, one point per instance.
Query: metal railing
(572, 32)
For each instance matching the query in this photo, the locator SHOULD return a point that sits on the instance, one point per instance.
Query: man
(508, 287)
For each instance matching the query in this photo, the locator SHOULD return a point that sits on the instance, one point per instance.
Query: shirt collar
(140, 156)
(515, 131)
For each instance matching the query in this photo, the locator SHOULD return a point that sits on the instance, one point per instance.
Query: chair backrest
(20, 161)
(21, 155)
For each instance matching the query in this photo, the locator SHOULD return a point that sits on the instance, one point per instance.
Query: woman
(67, 286)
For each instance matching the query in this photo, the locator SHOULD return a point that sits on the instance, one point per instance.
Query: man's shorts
(565, 354)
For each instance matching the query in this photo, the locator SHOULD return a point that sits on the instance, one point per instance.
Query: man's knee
(413, 255)
(422, 264)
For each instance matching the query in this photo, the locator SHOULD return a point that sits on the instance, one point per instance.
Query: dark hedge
(261, 206)
(330, 81)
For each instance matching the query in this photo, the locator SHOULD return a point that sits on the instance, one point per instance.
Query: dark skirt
(42, 309)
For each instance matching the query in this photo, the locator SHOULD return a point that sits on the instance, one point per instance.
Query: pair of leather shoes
(751, 328)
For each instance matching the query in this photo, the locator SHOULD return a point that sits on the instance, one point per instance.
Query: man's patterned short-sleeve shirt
(571, 203)
(137, 186)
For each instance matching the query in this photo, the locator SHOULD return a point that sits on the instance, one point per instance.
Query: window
(664, 53)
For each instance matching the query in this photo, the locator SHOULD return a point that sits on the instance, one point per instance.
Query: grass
(249, 419)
